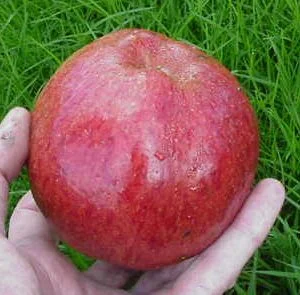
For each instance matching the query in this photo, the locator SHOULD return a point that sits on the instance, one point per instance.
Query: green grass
(258, 40)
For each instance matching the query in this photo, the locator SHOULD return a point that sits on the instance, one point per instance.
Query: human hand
(31, 264)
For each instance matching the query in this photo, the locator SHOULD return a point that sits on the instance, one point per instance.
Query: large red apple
(143, 149)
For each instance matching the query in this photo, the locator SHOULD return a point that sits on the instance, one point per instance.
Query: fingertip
(27, 202)
(15, 114)
(274, 186)
(14, 142)
(19, 111)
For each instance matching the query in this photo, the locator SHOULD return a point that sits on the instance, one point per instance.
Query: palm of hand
(31, 264)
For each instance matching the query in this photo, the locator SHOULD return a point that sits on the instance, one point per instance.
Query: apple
(143, 149)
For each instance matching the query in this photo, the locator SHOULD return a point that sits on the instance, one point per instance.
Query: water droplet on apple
(160, 156)
(194, 188)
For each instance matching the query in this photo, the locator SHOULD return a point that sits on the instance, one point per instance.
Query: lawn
(259, 41)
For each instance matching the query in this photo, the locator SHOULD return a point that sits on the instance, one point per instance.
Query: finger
(91, 287)
(155, 280)
(28, 223)
(14, 138)
(3, 204)
(108, 274)
(218, 267)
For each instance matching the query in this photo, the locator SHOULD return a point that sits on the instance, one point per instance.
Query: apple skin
(143, 149)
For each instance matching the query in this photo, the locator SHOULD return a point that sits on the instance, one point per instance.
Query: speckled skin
(143, 149)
